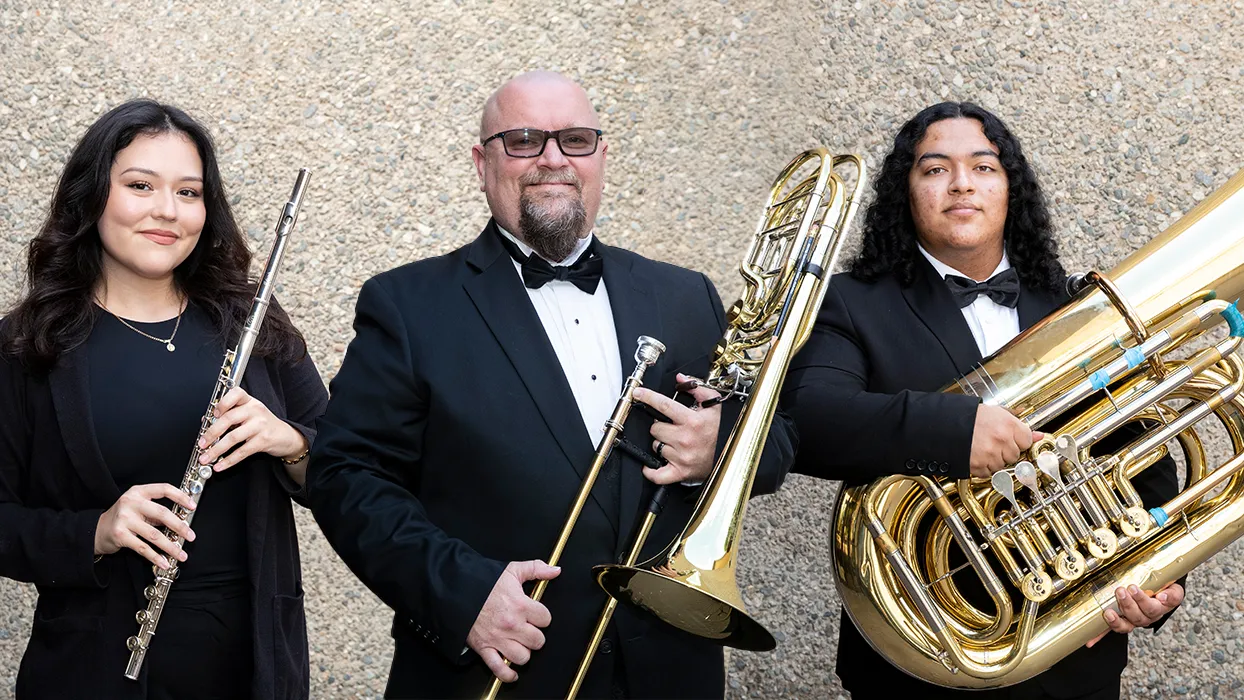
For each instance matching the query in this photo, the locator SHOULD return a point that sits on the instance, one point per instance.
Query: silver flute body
(196, 476)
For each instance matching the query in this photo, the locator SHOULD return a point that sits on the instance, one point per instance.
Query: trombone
(646, 354)
(692, 585)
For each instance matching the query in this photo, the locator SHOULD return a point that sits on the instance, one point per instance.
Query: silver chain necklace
(168, 342)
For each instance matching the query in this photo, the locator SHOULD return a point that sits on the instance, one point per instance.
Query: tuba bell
(691, 585)
(1157, 341)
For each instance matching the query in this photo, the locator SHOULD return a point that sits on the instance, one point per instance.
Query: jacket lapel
(69, 381)
(933, 304)
(499, 296)
(635, 313)
(1035, 305)
(258, 384)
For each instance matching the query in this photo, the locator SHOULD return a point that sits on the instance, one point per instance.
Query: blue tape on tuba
(1159, 516)
(1235, 321)
(1134, 357)
(1099, 379)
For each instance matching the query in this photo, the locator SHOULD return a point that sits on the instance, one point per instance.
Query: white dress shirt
(580, 327)
(993, 325)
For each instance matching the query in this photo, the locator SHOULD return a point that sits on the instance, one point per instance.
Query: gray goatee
(552, 228)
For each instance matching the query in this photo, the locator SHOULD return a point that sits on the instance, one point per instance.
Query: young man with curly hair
(958, 257)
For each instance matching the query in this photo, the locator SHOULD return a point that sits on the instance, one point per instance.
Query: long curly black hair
(889, 245)
(64, 261)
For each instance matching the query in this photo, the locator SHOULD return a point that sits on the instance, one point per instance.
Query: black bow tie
(1003, 288)
(584, 273)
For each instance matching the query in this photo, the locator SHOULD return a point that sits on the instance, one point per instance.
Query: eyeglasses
(529, 143)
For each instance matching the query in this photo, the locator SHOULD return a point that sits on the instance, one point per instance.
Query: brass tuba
(1061, 527)
(786, 272)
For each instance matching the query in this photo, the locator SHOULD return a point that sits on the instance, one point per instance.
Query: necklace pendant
(170, 346)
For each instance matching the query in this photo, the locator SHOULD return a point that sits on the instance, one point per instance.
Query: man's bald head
(534, 87)
(550, 200)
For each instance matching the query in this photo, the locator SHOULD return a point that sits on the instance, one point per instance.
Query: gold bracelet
(299, 458)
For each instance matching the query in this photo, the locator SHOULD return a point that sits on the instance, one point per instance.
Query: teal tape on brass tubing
(1235, 321)
(1099, 379)
(1159, 516)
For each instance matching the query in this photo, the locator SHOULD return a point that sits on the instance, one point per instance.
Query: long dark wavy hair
(889, 245)
(64, 261)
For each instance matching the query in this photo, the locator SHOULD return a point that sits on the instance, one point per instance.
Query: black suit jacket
(453, 445)
(54, 485)
(865, 393)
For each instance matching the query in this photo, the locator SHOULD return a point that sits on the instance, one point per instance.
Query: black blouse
(147, 404)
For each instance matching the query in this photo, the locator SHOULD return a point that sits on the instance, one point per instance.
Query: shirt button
(576, 321)
(593, 377)
(606, 646)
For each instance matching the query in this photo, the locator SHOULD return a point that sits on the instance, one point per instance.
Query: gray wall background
(1130, 110)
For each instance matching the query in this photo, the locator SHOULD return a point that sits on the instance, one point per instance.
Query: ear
(481, 163)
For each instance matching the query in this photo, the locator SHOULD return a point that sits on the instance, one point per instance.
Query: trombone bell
(687, 603)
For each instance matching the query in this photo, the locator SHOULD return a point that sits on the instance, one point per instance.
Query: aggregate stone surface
(1130, 110)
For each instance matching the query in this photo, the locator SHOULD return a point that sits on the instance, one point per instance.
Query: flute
(196, 476)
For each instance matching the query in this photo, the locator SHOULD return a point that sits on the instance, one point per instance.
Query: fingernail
(1110, 616)
(1134, 589)
(1121, 593)
(202, 458)
(163, 563)
(1162, 597)
(181, 556)
(191, 536)
(202, 443)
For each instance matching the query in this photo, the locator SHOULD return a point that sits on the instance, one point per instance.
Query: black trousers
(203, 649)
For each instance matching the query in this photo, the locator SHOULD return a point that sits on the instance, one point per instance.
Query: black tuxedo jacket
(865, 394)
(54, 485)
(453, 445)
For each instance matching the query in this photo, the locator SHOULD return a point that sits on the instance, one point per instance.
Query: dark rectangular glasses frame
(545, 141)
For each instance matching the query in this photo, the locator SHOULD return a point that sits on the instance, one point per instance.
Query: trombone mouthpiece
(649, 350)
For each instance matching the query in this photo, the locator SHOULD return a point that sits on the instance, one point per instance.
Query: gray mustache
(561, 177)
